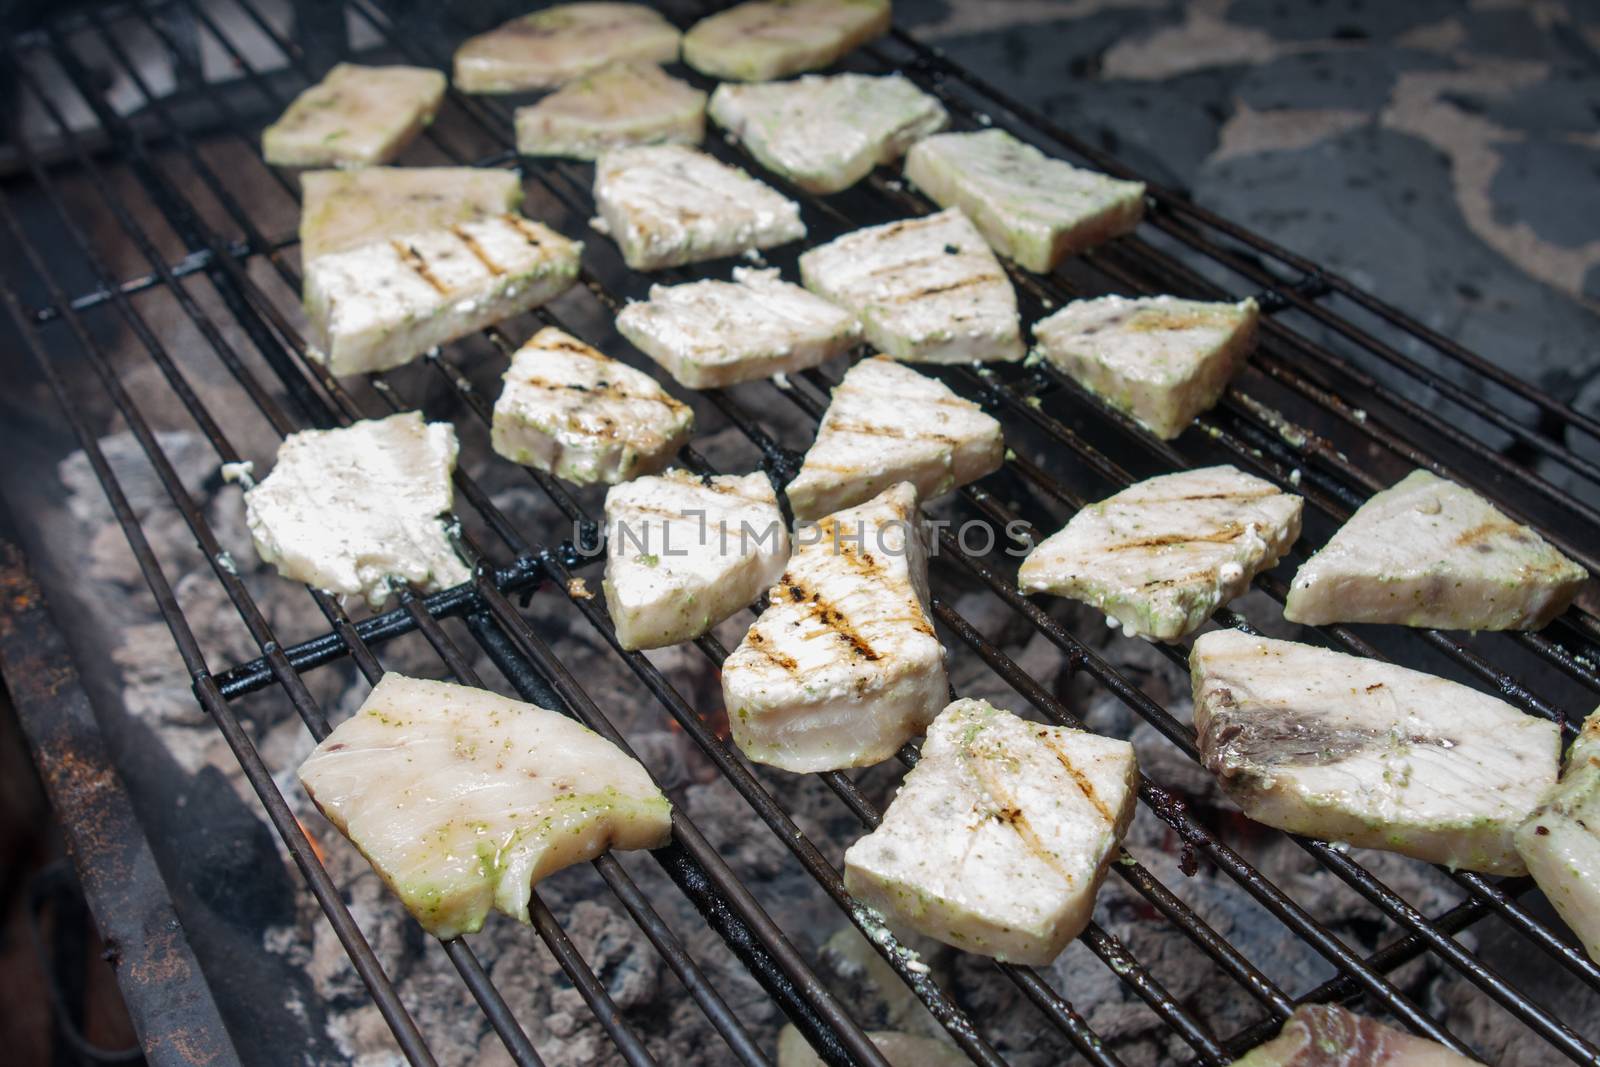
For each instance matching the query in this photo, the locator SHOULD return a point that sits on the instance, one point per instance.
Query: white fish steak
(1561, 840)
(1326, 1035)
(1159, 359)
(927, 290)
(999, 837)
(1429, 552)
(572, 411)
(1031, 208)
(825, 133)
(344, 209)
(354, 510)
(1159, 557)
(462, 799)
(684, 552)
(887, 423)
(843, 667)
(384, 304)
(1349, 749)
(354, 116)
(765, 39)
(625, 103)
(551, 47)
(667, 205)
(709, 334)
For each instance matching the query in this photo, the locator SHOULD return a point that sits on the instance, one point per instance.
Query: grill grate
(1365, 400)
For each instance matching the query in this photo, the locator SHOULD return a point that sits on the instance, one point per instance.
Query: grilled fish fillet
(1160, 359)
(384, 304)
(620, 104)
(1428, 552)
(1349, 749)
(577, 413)
(927, 289)
(885, 424)
(667, 205)
(827, 133)
(1161, 556)
(685, 552)
(901, 1050)
(843, 667)
(344, 209)
(999, 837)
(551, 47)
(709, 334)
(356, 509)
(766, 39)
(461, 799)
(1031, 208)
(1326, 1035)
(1561, 840)
(354, 116)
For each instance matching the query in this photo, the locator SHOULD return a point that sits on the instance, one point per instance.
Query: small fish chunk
(766, 39)
(1160, 359)
(354, 510)
(354, 116)
(684, 553)
(827, 133)
(1429, 552)
(620, 104)
(344, 209)
(1561, 840)
(885, 424)
(384, 304)
(667, 205)
(1326, 1035)
(1349, 749)
(574, 412)
(461, 799)
(1162, 555)
(551, 47)
(927, 290)
(999, 837)
(711, 334)
(901, 1050)
(843, 667)
(1029, 207)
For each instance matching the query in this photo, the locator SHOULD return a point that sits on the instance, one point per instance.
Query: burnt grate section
(1298, 418)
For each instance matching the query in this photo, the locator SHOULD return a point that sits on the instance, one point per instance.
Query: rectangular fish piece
(1561, 840)
(354, 116)
(620, 104)
(761, 40)
(384, 304)
(345, 209)
(549, 48)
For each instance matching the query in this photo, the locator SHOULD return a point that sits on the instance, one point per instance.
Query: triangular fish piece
(1157, 358)
(551, 47)
(843, 667)
(765, 39)
(885, 424)
(1429, 552)
(354, 116)
(1561, 840)
(1159, 557)
(1350, 749)
(620, 104)
(684, 552)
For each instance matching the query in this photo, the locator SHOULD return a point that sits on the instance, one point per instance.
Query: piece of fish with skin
(461, 799)
(668, 205)
(1561, 840)
(620, 104)
(570, 410)
(999, 837)
(709, 334)
(1326, 1035)
(825, 133)
(355, 116)
(1348, 749)
(344, 209)
(843, 667)
(1160, 556)
(549, 48)
(684, 552)
(765, 39)
(1031, 208)
(1159, 359)
(887, 423)
(384, 304)
(1428, 552)
(927, 290)
(353, 510)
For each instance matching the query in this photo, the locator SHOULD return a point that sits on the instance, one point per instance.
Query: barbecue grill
(153, 291)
